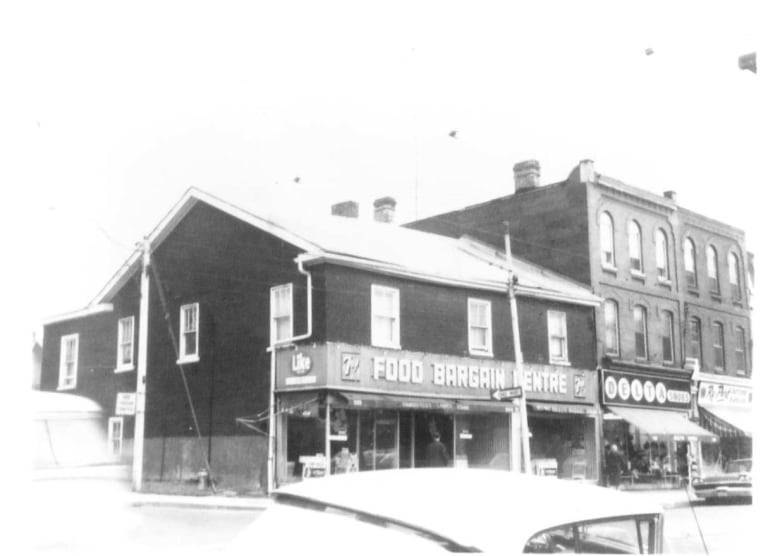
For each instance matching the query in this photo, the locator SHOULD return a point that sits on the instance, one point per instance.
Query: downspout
(140, 389)
(272, 396)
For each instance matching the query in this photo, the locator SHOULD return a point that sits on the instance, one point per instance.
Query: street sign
(507, 394)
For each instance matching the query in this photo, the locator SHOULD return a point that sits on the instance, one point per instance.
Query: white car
(736, 481)
(452, 510)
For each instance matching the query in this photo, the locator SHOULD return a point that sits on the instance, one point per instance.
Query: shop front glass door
(378, 440)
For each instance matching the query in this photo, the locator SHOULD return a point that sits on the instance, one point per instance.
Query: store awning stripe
(566, 408)
(727, 421)
(662, 423)
(386, 401)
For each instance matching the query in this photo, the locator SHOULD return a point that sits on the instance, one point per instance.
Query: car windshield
(739, 466)
(625, 535)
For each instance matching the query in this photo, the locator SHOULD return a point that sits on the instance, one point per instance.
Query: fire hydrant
(203, 477)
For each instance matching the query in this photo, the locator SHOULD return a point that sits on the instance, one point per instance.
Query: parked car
(453, 510)
(736, 481)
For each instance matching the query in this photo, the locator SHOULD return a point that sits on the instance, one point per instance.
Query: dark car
(735, 481)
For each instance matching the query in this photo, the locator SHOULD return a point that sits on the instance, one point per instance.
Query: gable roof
(378, 247)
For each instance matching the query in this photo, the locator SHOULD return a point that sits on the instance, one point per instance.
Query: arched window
(661, 254)
(607, 235)
(735, 277)
(640, 331)
(694, 339)
(611, 328)
(635, 247)
(712, 269)
(667, 339)
(689, 260)
(718, 350)
(741, 351)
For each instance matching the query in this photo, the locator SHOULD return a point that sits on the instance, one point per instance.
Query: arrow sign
(507, 394)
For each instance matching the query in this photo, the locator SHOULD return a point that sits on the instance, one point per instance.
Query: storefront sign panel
(125, 403)
(724, 394)
(636, 389)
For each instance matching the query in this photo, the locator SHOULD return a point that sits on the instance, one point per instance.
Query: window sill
(608, 268)
(562, 362)
(665, 282)
(693, 291)
(715, 296)
(60, 387)
(638, 274)
(124, 369)
(188, 359)
(386, 346)
(479, 353)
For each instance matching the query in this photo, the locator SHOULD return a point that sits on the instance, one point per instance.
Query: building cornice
(88, 311)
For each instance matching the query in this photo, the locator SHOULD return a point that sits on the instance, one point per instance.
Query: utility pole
(519, 419)
(140, 389)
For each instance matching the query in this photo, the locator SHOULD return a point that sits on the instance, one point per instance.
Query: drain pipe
(272, 398)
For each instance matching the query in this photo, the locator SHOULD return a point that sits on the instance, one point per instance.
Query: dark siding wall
(549, 226)
(434, 318)
(228, 267)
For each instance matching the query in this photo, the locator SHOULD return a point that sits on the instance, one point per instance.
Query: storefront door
(426, 427)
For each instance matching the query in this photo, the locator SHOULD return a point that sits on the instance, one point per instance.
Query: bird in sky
(454, 134)
(297, 179)
(649, 51)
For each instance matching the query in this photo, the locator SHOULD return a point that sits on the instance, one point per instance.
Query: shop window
(735, 281)
(607, 236)
(712, 269)
(188, 333)
(385, 317)
(667, 340)
(281, 313)
(694, 338)
(124, 344)
(640, 332)
(480, 327)
(718, 351)
(557, 341)
(611, 328)
(689, 262)
(69, 357)
(662, 255)
(115, 428)
(740, 351)
(635, 247)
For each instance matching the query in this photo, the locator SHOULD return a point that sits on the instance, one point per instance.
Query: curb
(202, 502)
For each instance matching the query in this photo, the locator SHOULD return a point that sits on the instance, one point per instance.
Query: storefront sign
(353, 367)
(313, 466)
(125, 403)
(300, 364)
(636, 389)
(724, 394)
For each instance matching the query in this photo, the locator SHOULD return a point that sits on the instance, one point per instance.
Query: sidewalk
(667, 498)
(207, 500)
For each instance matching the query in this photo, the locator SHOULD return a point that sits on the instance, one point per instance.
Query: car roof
(48, 405)
(474, 507)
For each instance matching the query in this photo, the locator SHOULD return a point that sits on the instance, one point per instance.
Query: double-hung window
(689, 262)
(281, 313)
(556, 333)
(718, 350)
(734, 277)
(667, 339)
(635, 247)
(712, 269)
(741, 351)
(480, 327)
(124, 344)
(188, 333)
(385, 317)
(694, 339)
(115, 433)
(662, 255)
(640, 332)
(611, 328)
(69, 361)
(607, 239)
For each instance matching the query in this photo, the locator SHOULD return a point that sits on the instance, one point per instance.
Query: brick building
(673, 284)
(341, 344)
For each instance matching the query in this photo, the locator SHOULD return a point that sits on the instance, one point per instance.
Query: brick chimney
(671, 195)
(348, 209)
(384, 209)
(526, 175)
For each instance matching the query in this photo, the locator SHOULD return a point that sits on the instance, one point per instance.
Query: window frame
(668, 337)
(740, 350)
(643, 314)
(635, 248)
(564, 339)
(111, 439)
(718, 335)
(122, 366)
(395, 341)
(487, 349)
(189, 357)
(712, 268)
(662, 251)
(274, 318)
(612, 303)
(691, 275)
(63, 382)
(735, 273)
(606, 218)
(694, 320)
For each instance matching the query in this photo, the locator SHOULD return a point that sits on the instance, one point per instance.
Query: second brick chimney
(348, 209)
(384, 209)
(526, 175)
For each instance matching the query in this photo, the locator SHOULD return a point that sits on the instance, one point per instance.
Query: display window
(563, 446)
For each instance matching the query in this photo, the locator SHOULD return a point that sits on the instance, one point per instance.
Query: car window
(738, 466)
(615, 536)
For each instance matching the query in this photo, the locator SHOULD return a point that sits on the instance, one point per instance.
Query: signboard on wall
(125, 403)
(715, 393)
(636, 389)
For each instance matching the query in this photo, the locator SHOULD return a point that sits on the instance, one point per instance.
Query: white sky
(115, 109)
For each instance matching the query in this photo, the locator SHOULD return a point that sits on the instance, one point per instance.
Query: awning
(567, 408)
(389, 401)
(657, 422)
(727, 421)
